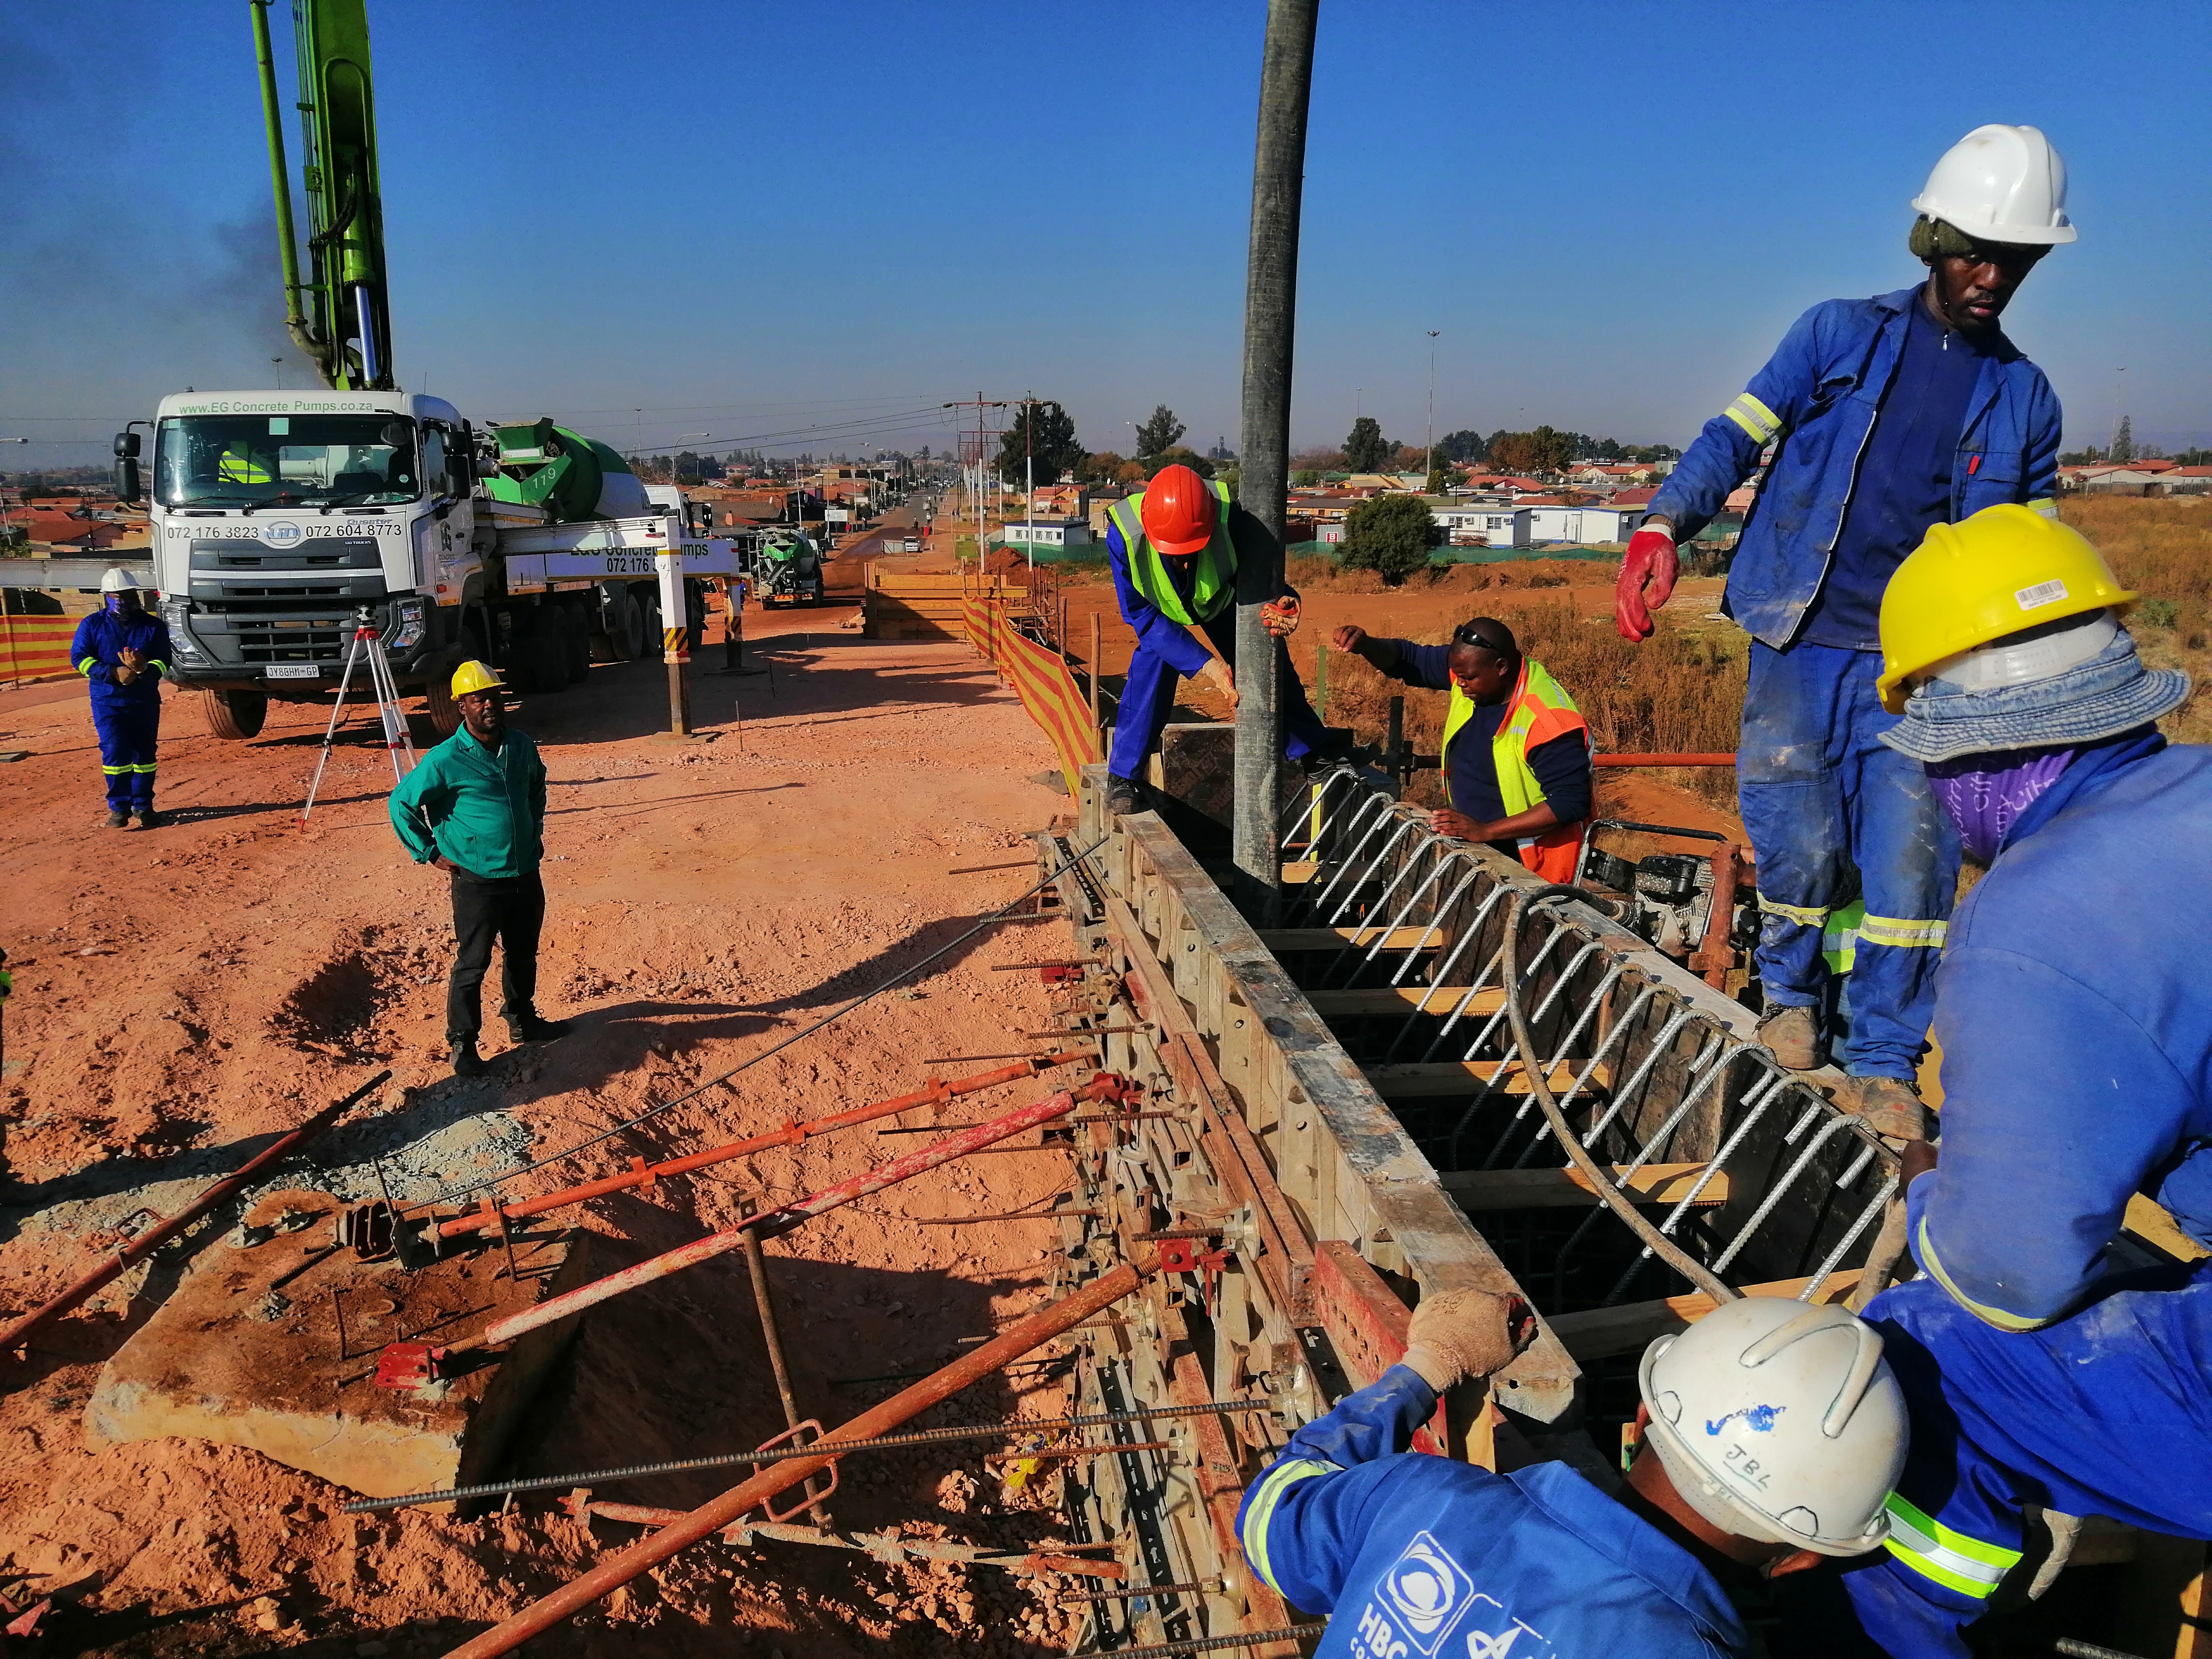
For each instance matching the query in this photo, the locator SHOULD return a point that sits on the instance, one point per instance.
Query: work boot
(528, 1027)
(149, 818)
(1890, 1106)
(467, 1062)
(1790, 1035)
(1121, 796)
(118, 819)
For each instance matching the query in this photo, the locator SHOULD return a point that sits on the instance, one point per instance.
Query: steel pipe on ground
(774, 1224)
(154, 1236)
(710, 1519)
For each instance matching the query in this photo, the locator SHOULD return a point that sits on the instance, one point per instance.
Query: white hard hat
(1779, 1421)
(118, 581)
(2001, 184)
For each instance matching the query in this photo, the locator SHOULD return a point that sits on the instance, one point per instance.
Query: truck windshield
(286, 461)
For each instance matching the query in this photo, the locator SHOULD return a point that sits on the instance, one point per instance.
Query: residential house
(1484, 525)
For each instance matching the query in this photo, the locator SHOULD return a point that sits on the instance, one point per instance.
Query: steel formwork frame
(1331, 1210)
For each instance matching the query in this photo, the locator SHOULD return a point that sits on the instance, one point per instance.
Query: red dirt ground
(183, 994)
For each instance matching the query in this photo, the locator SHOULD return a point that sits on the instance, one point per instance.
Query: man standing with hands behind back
(475, 806)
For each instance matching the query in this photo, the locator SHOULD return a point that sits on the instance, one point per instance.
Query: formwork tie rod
(1213, 1644)
(944, 1436)
(710, 1519)
(772, 1223)
(159, 1234)
(641, 1174)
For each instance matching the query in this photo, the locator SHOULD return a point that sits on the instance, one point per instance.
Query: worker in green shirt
(475, 806)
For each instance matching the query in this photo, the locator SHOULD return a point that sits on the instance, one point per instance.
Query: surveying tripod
(369, 647)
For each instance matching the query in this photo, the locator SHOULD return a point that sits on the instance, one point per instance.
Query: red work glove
(1650, 559)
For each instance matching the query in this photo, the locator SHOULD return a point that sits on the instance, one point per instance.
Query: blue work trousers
(1148, 698)
(128, 733)
(1834, 813)
(2105, 1413)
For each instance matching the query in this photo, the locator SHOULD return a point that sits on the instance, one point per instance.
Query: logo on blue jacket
(1426, 1591)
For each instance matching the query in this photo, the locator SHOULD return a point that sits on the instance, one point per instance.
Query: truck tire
(548, 655)
(648, 619)
(234, 716)
(620, 636)
(575, 635)
(438, 694)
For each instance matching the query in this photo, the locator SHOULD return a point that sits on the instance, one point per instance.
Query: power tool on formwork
(277, 516)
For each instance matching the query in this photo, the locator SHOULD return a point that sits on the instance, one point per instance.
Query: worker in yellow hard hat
(475, 807)
(2070, 1004)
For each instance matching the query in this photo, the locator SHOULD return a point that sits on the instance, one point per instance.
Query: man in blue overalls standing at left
(123, 649)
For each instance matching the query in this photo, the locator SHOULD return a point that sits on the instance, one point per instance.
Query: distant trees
(1179, 455)
(1442, 477)
(1101, 468)
(1158, 433)
(1466, 447)
(1318, 461)
(1306, 476)
(1043, 435)
(1366, 450)
(2124, 441)
(1544, 450)
(1391, 534)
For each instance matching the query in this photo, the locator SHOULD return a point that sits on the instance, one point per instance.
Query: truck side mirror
(126, 473)
(127, 443)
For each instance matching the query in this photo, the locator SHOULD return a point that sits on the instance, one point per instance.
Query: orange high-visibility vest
(1538, 711)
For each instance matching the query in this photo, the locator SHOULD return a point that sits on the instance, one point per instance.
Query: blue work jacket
(2076, 1035)
(1172, 642)
(1815, 402)
(1416, 1555)
(97, 651)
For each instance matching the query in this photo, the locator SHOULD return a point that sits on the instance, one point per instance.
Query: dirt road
(183, 994)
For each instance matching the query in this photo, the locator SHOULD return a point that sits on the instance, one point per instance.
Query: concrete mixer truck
(284, 520)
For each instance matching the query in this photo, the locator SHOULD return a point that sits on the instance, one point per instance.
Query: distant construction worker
(1173, 548)
(1517, 754)
(124, 649)
(734, 622)
(1875, 419)
(475, 806)
(1773, 1431)
(2070, 1005)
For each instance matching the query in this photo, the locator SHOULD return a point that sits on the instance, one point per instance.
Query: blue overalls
(128, 718)
(1166, 653)
(1416, 1555)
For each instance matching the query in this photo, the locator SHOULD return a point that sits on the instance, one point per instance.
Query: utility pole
(1263, 475)
(1432, 400)
(979, 403)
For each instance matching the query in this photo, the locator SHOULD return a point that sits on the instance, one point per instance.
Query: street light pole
(1432, 401)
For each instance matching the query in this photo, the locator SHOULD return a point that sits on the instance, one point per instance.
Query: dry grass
(2163, 549)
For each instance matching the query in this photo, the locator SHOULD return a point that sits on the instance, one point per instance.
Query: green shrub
(1390, 535)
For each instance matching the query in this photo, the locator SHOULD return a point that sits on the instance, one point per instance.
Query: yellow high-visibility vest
(1214, 579)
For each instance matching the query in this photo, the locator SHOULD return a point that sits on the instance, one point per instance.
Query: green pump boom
(339, 316)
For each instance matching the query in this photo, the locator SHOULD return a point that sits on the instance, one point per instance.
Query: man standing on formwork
(475, 807)
(1875, 419)
(1174, 550)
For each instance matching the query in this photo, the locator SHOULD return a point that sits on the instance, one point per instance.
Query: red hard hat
(1178, 510)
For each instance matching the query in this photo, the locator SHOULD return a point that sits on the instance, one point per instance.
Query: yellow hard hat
(473, 676)
(2004, 569)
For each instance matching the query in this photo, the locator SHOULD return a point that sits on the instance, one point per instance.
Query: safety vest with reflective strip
(1539, 710)
(1252, 1528)
(240, 464)
(1950, 1559)
(1213, 578)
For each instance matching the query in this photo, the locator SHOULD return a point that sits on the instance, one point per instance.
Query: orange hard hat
(1178, 510)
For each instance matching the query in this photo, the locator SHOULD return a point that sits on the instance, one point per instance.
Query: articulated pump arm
(339, 316)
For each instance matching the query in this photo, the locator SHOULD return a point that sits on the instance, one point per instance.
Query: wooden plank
(1280, 939)
(2147, 1220)
(1296, 875)
(1568, 1188)
(1602, 1332)
(1223, 1494)
(1427, 1080)
(1404, 999)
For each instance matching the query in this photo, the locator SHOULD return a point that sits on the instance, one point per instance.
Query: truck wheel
(648, 621)
(575, 635)
(548, 653)
(235, 715)
(618, 635)
(444, 713)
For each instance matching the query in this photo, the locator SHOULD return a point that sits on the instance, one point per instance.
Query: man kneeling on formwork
(1526, 791)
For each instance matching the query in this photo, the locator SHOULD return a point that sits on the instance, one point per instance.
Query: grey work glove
(1460, 1335)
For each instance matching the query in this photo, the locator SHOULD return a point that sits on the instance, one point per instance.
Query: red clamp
(410, 1366)
(769, 1509)
(1058, 974)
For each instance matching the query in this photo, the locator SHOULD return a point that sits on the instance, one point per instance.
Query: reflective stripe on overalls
(1539, 710)
(1214, 573)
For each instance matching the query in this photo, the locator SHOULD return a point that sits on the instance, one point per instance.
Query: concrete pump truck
(284, 520)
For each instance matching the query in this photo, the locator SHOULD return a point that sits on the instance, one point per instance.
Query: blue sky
(756, 219)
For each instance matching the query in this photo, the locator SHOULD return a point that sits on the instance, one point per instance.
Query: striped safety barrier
(31, 647)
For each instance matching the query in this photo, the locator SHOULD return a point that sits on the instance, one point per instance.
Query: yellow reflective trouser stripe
(2046, 506)
(1754, 418)
(1998, 1316)
(159, 666)
(119, 771)
(1253, 1534)
(1951, 1559)
(1898, 930)
(1804, 915)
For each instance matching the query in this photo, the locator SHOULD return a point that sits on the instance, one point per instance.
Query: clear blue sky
(751, 219)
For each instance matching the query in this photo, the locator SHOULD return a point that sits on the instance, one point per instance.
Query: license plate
(293, 671)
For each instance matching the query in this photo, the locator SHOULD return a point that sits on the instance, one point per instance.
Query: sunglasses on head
(1467, 634)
